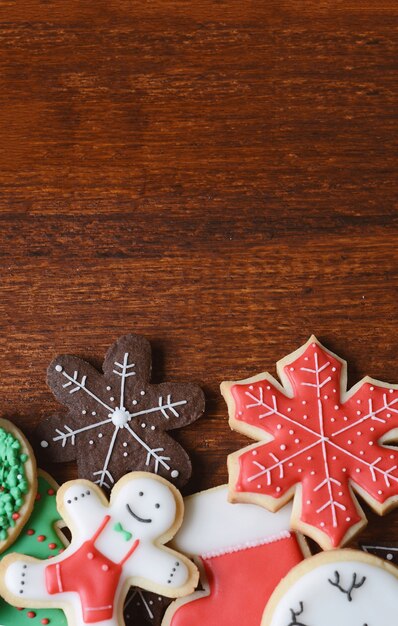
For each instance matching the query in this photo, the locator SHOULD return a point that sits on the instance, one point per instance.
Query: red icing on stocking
(239, 584)
(323, 438)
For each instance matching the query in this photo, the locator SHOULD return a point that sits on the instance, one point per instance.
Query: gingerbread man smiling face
(113, 546)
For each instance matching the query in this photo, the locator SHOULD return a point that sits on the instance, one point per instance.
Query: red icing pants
(240, 585)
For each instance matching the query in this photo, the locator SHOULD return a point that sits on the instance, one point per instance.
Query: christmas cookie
(41, 538)
(383, 551)
(317, 442)
(18, 483)
(237, 547)
(113, 546)
(144, 607)
(117, 421)
(343, 587)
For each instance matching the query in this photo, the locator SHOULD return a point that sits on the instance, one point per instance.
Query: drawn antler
(295, 615)
(349, 590)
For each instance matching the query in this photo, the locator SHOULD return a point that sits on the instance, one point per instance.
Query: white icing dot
(153, 427)
(125, 453)
(312, 473)
(333, 369)
(349, 442)
(341, 494)
(292, 369)
(108, 388)
(297, 441)
(143, 425)
(334, 458)
(100, 435)
(136, 402)
(299, 470)
(336, 406)
(278, 489)
(388, 414)
(175, 473)
(345, 418)
(125, 444)
(289, 409)
(305, 417)
(111, 398)
(322, 524)
(258, 486)
(344, 469)
(291, 432)
(58, 368)
(392, 456)
(303, 401)
(391, 390)
(93, 412)
(283, 447)
(348, 519)
(361, 452)
(380, 492)
(306, 358)
(44, 444)
(389, 557)
(309, 458)
(334, 390)
(91, 442)
(251, 387)
(332, 419)
(268, 387)
(325, 397)
(254, 453)
(84, 412)
(290, 464)
(358, 412)
(308, 501)
(279, 426)
(372, 429)
(371, 443)
(358, 471)
(359, 433)
(142, 393)
(371, 388)
(314, 345)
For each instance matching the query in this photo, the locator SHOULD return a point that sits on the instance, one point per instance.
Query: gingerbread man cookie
(341, 587)
(18, 483)
(117, 421)
(113, 546)
(317, 442)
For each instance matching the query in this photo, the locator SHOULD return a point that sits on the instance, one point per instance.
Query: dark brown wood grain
(218, 176)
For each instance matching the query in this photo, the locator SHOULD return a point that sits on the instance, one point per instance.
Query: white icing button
(44, 444)
(105, 567)
(58, 368)
(175, 473)
(90, 556)
(108, 388)
(142, 393)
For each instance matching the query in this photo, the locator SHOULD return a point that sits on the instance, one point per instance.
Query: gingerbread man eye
(141, 493)
(157, 506)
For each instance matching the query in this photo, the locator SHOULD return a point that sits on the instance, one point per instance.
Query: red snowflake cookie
(318, 442)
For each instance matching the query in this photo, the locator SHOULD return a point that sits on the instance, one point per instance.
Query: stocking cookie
(113, 546)
(117, 421)
(41, 538)
(242, 550)
(343, 587)
(317, 442)
(18, 484)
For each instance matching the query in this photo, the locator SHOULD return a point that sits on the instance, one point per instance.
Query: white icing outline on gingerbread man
(116, 545)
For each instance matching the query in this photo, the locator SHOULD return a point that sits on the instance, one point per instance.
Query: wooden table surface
(218, 176)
